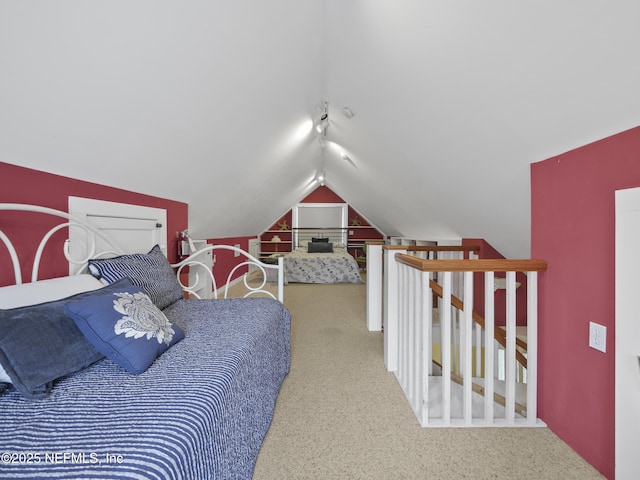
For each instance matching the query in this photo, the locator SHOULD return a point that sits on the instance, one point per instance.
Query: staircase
(454, 365)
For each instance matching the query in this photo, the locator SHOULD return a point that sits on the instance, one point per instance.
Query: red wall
(24, 185)
(322, 194)
(225, 259)
(573, 229)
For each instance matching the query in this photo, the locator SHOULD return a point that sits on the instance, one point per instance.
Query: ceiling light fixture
(323, 120)
(346, 111)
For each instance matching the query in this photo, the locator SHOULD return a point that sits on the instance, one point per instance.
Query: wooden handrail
(481, 265)
(434, 248)
(499, 334)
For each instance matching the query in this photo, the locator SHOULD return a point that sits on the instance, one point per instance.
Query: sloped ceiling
(210, 102)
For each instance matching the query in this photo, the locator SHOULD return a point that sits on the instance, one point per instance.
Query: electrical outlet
(598, 336)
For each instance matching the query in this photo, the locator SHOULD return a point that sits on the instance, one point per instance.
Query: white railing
(454, 393)
(380, 303)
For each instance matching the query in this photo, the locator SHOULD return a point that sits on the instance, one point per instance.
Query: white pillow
(42, 291)
(33, 293)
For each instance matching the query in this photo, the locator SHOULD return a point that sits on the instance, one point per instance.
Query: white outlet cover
(598, 337)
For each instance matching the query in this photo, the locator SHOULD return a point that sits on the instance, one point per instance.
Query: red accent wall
(225, 259)
(573, 229)
(24, 185)
(322, 194)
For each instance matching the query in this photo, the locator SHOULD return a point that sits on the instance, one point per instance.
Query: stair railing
(409, 292)
(377, 263)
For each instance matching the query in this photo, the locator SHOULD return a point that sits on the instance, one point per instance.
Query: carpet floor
(341, 415)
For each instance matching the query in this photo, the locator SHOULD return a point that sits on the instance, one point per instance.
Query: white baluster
(478, 357)
(466, 346)
(427, 345)
(510, 351)
(532, 347)
(489, 356)
(411, 333)
(445, 326)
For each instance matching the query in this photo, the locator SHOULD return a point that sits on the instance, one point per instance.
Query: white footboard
(262, 273)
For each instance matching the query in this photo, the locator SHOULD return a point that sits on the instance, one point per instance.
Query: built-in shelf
(353, 236)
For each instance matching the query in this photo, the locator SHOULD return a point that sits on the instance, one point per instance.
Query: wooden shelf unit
(359, 232)
(280, 229)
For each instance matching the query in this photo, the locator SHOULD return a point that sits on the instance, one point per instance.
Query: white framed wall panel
(131, 228)
(627, 335)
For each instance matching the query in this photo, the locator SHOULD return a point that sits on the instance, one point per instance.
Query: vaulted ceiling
(210, 102)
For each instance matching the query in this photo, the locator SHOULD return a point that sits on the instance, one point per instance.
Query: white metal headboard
(91, 231)
(195, 260)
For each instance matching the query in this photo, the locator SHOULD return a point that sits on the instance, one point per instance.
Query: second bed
(304, 265)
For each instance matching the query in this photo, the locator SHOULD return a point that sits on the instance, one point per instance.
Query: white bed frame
(98, 245)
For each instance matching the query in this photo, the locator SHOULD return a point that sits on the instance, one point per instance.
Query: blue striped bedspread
(201, 411)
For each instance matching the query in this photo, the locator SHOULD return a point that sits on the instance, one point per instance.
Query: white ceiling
(201, 101)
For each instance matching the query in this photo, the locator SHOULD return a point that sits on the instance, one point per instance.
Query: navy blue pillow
(319, 247)
(151, 271)
(125, 325)
(40, 344)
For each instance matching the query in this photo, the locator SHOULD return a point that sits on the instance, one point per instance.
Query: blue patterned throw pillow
(150, 271)
(125, 326)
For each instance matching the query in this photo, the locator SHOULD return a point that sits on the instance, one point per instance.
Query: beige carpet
(341, 415)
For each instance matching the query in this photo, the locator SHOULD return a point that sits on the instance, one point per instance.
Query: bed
(77, 402)
(321, 262)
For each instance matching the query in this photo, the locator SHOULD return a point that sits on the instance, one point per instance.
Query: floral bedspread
(336, 267)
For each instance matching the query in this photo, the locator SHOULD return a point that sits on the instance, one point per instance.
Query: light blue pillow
(151, 271)
(124, 325)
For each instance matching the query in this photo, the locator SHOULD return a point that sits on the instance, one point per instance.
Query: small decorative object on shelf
(276, 239)
(284, 225)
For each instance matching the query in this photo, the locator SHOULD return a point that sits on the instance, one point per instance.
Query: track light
(323, 123)
(323, 120)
